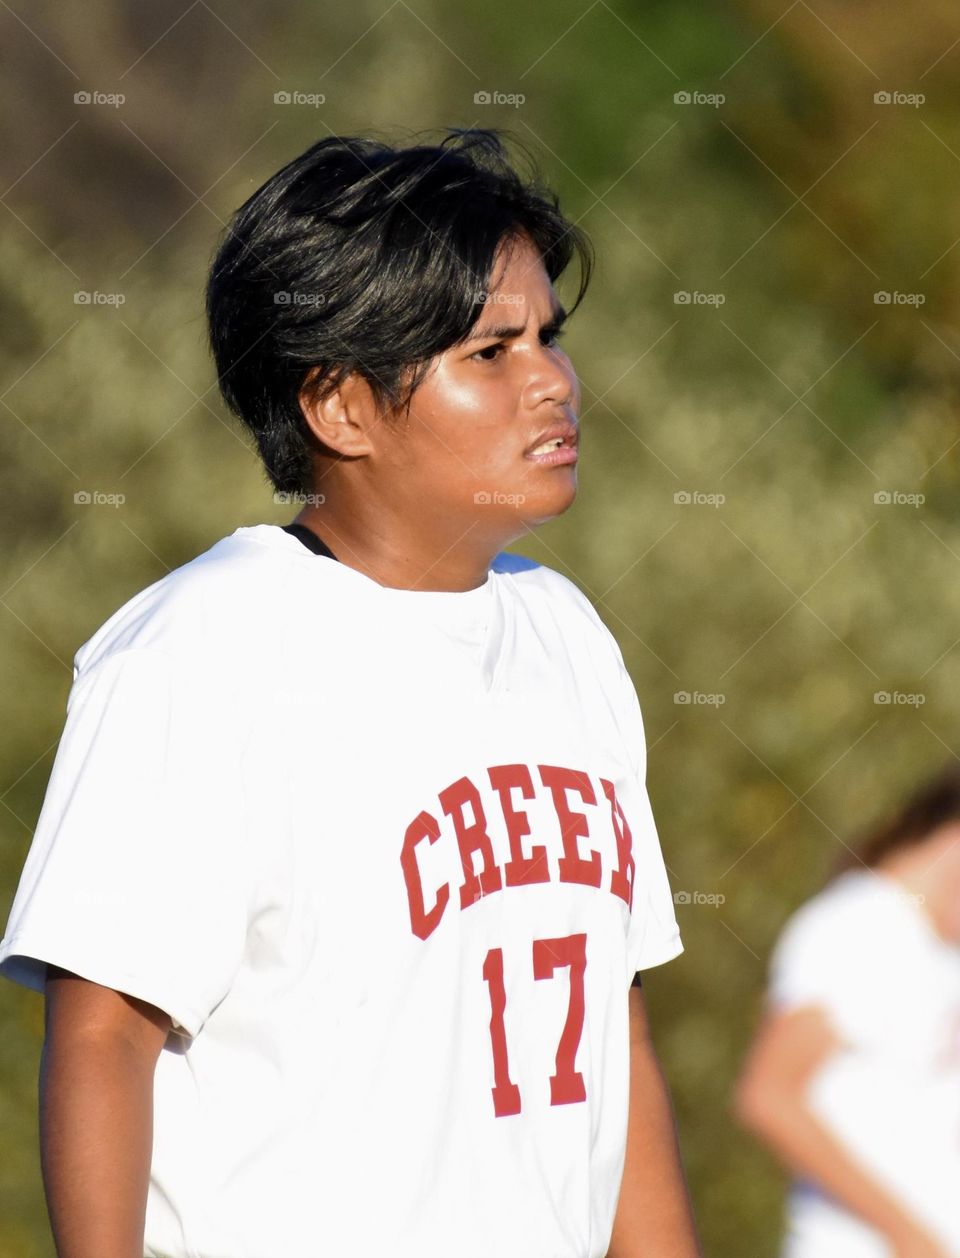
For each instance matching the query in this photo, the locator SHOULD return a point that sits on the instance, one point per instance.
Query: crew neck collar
(275, 536)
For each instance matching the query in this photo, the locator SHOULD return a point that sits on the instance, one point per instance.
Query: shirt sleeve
(654, 934)
(135, 878)
(831, 955)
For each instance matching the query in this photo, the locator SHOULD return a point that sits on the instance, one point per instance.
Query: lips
(557, 437)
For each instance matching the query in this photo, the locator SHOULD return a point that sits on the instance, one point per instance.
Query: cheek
(480, 417)
(458, 395)
(468, 425)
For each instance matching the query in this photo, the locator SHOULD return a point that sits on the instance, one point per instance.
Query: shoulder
(843, 951)
(533, 574)
(826, 910)
(195, 612)
(572, 614)
(536, 582)
(855, 895)
(838, 927)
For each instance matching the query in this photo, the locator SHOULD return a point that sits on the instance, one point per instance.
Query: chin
(547, 503)
(529, 502)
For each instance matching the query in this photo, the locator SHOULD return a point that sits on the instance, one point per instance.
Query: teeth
(547, 446)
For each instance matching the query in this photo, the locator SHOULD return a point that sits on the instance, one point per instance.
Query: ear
(345, 420)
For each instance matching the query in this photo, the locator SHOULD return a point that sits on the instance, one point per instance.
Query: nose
(553, 379)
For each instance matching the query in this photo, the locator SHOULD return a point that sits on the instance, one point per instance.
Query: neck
(406, 555)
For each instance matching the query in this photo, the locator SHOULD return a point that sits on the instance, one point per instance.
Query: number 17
(566, 1084)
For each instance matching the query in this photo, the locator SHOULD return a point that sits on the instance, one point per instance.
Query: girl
(853, 1079)
(347, 865)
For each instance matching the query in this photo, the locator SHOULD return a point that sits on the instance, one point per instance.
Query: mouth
(555, 447)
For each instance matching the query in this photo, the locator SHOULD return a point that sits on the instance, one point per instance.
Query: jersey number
(566, 1084)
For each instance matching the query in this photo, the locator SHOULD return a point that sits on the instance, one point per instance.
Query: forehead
(518, 271)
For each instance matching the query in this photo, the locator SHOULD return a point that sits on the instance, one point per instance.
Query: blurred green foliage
(797, 198)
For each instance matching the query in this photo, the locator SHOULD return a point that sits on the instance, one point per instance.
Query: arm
(770, 1100)
(96, 1115)
(654, 1218)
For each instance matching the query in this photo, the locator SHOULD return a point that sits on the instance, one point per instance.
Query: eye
(489, 349)
(491, 353)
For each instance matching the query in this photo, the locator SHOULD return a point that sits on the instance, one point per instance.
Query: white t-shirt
(391, 888)
(865, 951)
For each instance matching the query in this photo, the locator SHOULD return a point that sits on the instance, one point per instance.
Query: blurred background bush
(768, 355)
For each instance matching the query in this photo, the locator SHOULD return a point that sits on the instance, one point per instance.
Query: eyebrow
(504, 331)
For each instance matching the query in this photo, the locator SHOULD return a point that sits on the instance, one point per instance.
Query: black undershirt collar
(309, 539)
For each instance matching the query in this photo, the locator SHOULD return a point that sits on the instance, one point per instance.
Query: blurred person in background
(853, 1078)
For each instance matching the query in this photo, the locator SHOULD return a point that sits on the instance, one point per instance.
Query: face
(465, 453)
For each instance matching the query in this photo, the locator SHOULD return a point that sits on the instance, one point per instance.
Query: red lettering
(423, 826)
(528, 863)
(519, 869)
(566, 1084)
(506, 1094)
(573, 825)
(471, 838)
(621, 880)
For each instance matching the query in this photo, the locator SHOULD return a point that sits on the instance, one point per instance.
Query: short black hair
(360, 257)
